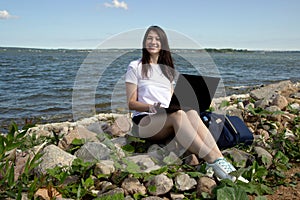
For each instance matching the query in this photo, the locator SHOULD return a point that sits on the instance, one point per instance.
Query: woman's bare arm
(133, 104)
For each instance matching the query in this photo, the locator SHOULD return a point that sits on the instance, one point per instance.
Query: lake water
(56, 85)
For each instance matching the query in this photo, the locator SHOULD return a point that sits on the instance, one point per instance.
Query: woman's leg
(160, 126)
(204, 133)
(192, 134)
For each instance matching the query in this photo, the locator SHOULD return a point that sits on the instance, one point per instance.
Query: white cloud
(4, 14)
(116, 4)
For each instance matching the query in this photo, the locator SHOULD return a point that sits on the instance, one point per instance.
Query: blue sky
(239, 24)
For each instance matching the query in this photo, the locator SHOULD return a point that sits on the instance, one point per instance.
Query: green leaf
(231, 193)
(131, 167)
(152, 188)
(11, 134)
(11, 176)
(79, 192)
(224, 104)
(2, 146)
(21, 134)
(11, 194)
(13, 145)
(128, 148)
(159, 171)
(138, 196)
(77, 141)
(256, 188)
(281, 157)
(195, 174)
(135, 139)
(35, 161)
(89, 182)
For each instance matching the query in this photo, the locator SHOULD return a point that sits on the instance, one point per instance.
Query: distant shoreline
(209, 50)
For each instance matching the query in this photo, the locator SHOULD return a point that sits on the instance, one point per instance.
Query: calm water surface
(39, 84)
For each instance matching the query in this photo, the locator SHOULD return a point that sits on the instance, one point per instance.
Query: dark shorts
(138, 118)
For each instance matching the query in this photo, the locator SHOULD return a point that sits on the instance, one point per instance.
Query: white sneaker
(222, 169)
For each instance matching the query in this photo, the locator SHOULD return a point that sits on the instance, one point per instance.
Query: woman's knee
(192, 113)
(178, 114)
(194, 117)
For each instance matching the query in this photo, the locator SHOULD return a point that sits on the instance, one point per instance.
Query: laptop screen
(194, 92)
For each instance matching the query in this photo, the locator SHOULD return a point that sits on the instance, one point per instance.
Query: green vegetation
(227, 50)
(78, 181)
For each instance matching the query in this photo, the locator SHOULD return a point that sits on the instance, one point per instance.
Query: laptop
(193, 92)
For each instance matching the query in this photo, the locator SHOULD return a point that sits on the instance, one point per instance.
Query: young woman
(149, 87)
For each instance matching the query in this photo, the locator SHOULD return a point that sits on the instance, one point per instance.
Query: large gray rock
(269, 90)
(54, 156)
(79, 132)
(93, 151)
(239, 157)
(261, 152)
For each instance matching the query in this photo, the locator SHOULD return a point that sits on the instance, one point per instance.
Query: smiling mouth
(153, 46)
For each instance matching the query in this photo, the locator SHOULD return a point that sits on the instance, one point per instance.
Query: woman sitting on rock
(149, 87)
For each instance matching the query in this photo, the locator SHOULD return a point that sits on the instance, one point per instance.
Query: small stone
(274, 116)
(104, 186)
(295, 95)
(152, 198)
(128, 197)
(93, 151)
(264, 134)
(121, 126)
(175, 196)
(145, 162)
(132, 186)
(206, 185)
(280, 101)
(159, 185)
(240, 105)
(104, 167)
(184, 182)
(113, 192)
(191, 160)
(295, 106)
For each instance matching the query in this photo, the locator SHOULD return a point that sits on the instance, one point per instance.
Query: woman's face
(153, 44)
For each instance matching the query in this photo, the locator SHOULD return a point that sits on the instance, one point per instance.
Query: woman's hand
(153, 108)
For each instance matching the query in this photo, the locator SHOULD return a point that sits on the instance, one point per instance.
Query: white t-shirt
(156, 88)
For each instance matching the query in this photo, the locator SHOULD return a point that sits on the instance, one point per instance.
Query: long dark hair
(165, 60)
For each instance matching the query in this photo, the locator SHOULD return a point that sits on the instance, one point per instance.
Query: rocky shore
(125, 167)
